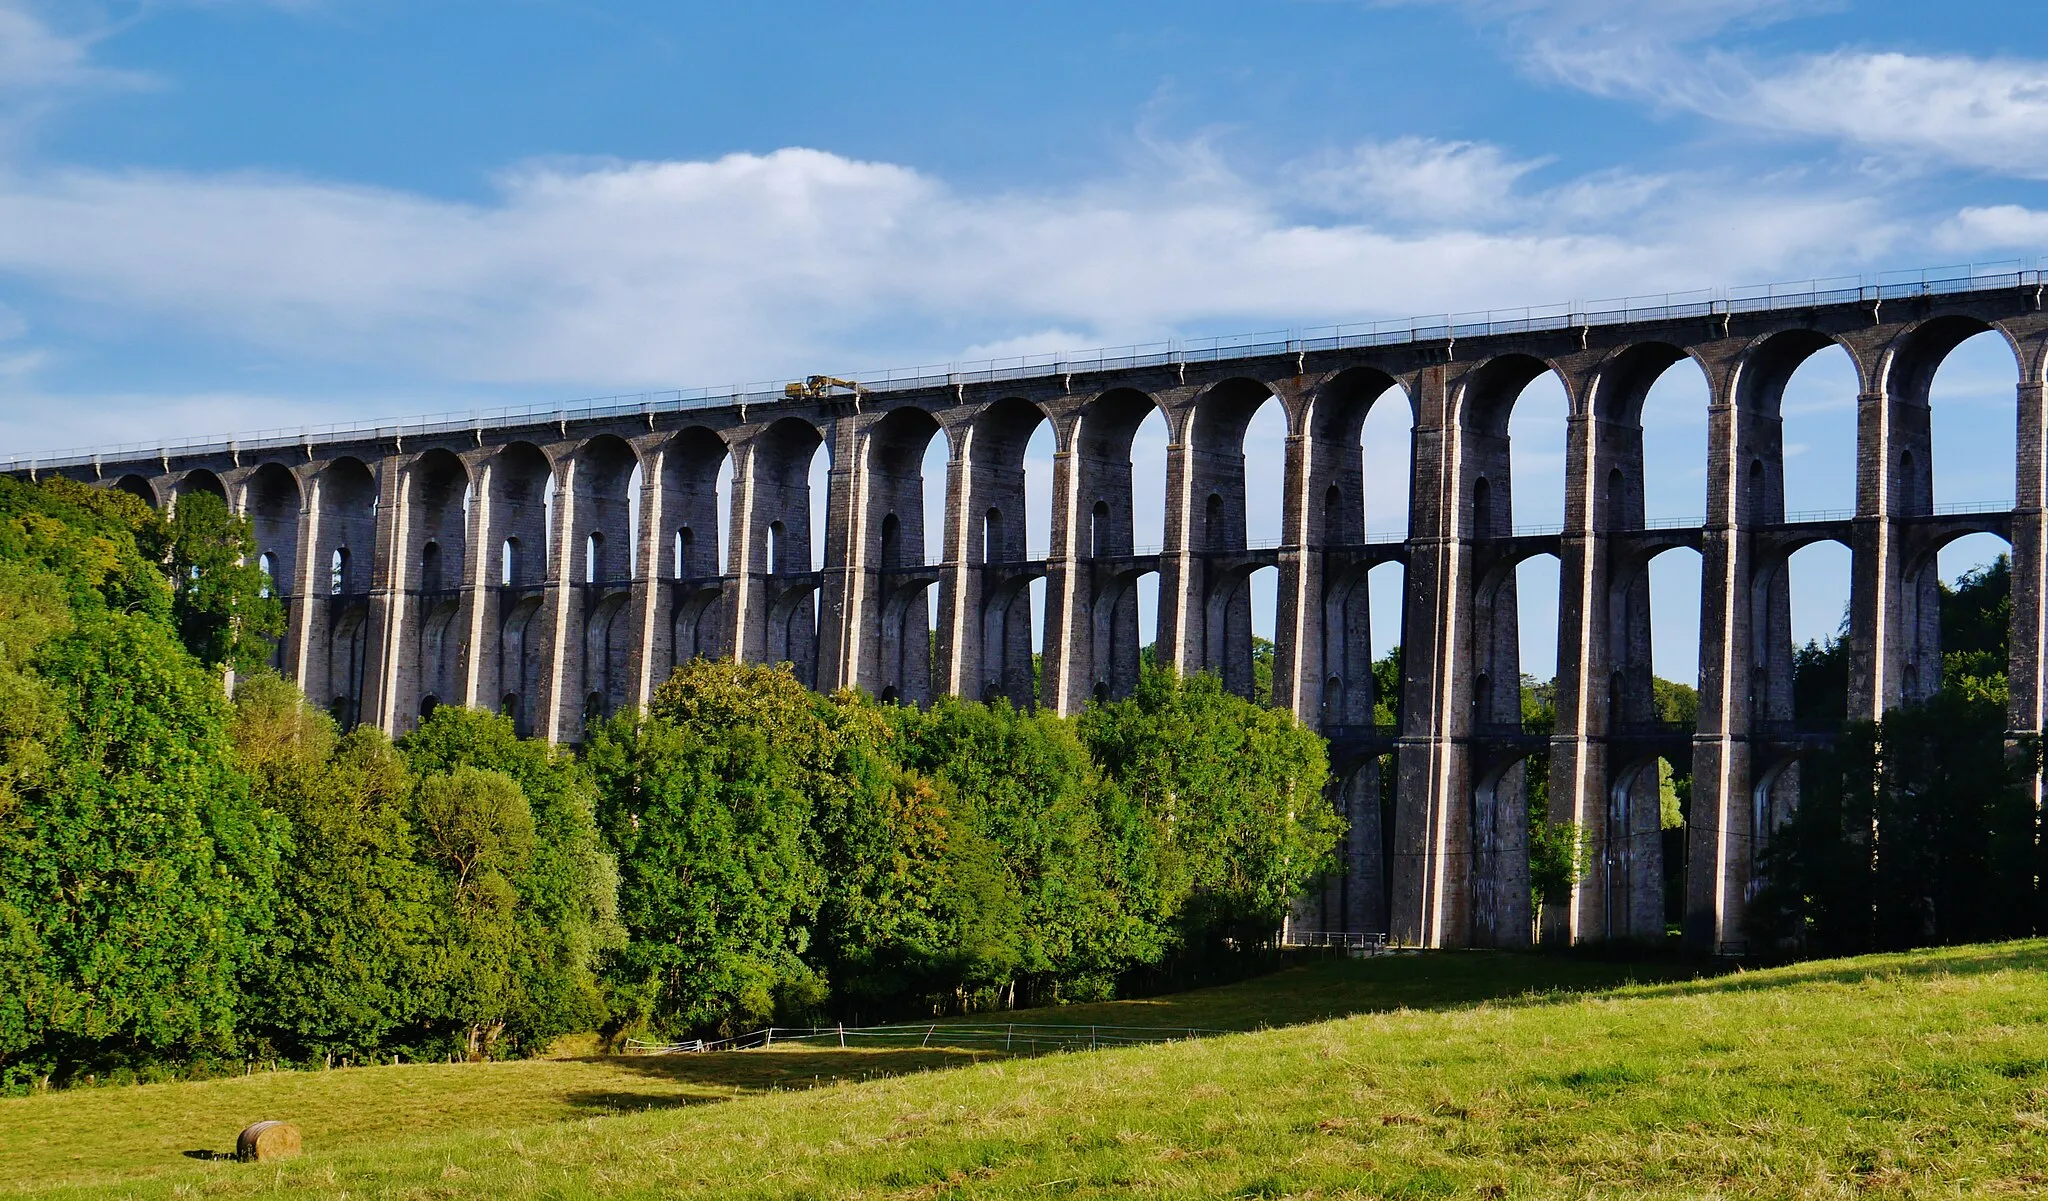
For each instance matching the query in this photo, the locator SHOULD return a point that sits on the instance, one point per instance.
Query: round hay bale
(267, 1141)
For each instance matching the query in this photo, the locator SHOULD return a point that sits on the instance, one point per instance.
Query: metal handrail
(1708, 302)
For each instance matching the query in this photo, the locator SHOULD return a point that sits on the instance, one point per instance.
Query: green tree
(222, 602)
(138, 868)
(475, 827)
(1976, 616)
(1237, 791)
(564, 918)
(707, 800)
(135, 865)
(349, 965)
(1066, 866)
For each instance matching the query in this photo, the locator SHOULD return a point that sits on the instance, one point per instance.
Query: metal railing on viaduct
(557, 564)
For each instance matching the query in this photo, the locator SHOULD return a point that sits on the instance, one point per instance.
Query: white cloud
(1418, 179)
(1987, 114)
(1998, 226)
(653, 274)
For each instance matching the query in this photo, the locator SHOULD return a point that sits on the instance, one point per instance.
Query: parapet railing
(1705, 302)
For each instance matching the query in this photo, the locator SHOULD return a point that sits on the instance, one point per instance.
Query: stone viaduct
(556, 566)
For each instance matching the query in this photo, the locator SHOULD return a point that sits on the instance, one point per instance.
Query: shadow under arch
(893, 523)
(199, 479)
(995, 515)
(137, 487)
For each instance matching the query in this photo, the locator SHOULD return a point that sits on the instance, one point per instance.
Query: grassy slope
(1922, 1075)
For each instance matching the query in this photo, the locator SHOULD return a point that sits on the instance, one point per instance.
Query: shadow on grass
(770, 1069)
(614, 1101)
(1927, 963)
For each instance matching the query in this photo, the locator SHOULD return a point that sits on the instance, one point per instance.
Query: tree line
(1918, 829)
(191, 876)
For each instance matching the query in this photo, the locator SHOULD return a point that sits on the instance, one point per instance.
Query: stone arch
(439, 494)
(1907, 364)
(1115, 654)
(437, 535)
(607, 653)
(272, 502)
(1337, 413)
(781, 487)
(345, 556)
(1766, 366)
(138, 487)
(1486, 396)
(1217, 618)
(602, 519)
(689, 532)
(521, 664)
(1500, 850)
(514, 482)
(988, 652)
(893, 489)
(518, 475)
(779, 621)
(199, 479)
(1102, 463)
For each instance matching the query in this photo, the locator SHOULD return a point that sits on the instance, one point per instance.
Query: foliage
(1051, 875)
(135, 868)
(346, 968)
(707, 799)
(1976, 617)
(1920, 828)
(1238, 794)
(221, 600)
(533, 890)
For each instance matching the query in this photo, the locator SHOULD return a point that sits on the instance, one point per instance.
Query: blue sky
(219, 215)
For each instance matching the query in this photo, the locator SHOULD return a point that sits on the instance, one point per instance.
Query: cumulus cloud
(653, 274)
(1988, 114)
(1997, 226)
(1417, 179)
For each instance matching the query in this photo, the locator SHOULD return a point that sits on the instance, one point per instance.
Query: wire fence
(1012, 1037)
(1709, 302)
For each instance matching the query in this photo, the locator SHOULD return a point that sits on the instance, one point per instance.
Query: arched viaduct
(560, 565)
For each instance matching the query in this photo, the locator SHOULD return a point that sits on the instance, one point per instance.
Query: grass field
(1467, 1075)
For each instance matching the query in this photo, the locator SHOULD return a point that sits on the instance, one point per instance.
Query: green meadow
(1449, 1075)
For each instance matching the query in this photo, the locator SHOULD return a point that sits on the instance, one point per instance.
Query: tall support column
(842, 609)
(390, 613)
(2027, 669)
(1744, 486)
(1069, 625)
(958, 671)
(1578, 750)
(1432, 827)
(653, 623)
(1892, 449)
(478, 615)
(560, 608)
(1298, 642)
(1180, 644)
(305, 601)
(1604, 679)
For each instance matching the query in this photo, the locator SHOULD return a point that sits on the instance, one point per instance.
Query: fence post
(842, 1036)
